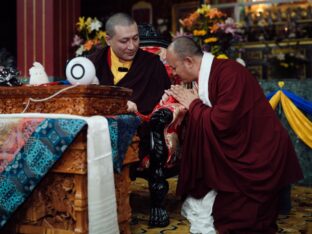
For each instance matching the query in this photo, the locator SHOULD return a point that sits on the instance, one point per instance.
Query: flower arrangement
(212, 29)
(88, 35)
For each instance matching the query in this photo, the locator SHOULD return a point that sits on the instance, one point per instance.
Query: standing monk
(235, 145)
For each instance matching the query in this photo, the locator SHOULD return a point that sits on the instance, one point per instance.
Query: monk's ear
(108, 39)
(188, 61)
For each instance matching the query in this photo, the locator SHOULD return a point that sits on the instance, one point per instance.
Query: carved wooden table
(59, 203)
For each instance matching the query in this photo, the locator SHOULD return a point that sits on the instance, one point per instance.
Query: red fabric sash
(172, 130)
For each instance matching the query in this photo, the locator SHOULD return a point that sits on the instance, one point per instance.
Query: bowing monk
(236, 154)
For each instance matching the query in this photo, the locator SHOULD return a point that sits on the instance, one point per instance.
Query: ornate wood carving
(58, 203)
(85, 100)
(74, 160)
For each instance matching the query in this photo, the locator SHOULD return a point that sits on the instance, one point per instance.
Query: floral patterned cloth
(14, 133)
(40, 144)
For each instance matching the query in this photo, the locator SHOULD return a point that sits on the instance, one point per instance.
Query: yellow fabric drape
(275, 99)
(301, 125)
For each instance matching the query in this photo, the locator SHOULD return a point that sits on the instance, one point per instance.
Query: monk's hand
(164, 98)
(183, 95)
(132, 107)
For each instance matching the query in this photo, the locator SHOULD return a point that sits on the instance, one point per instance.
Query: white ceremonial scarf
(203, 79)
(199, 211)
(102, 207)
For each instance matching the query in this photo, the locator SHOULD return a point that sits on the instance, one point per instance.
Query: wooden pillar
(45, 29)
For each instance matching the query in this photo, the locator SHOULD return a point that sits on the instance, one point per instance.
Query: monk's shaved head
(120, 19)
(184, 56)
(184, 47)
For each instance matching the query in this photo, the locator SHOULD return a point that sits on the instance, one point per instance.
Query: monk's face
(179, 67)
(125, 42)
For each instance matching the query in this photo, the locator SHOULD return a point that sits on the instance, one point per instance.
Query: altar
(59, 204)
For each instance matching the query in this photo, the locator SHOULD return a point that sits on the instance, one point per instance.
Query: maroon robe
(147, 77)
(237, 147)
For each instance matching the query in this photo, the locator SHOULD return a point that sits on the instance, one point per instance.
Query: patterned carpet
(299, 221)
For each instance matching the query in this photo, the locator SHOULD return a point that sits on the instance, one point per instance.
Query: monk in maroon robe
(234, 143)
(147, 77)
(122, 63)
(145, 73)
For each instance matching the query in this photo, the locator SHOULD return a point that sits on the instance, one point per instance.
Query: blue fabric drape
(269, 95)
(122, 129)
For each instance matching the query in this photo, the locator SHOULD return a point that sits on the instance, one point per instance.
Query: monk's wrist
(193, 104)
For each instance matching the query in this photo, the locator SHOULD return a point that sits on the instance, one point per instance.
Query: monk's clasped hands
(183, 95)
